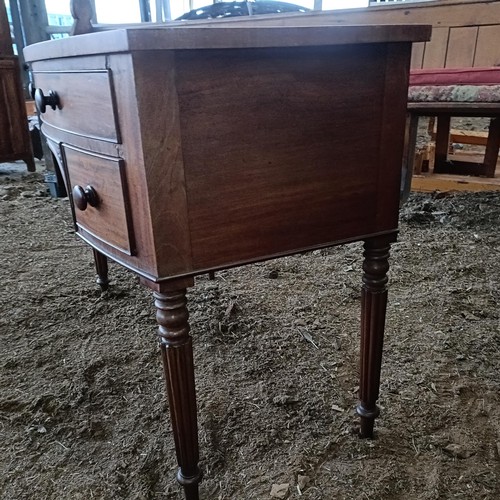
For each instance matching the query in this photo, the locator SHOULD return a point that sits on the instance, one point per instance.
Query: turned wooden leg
(177, 354)
(101, 266)
(373, 307)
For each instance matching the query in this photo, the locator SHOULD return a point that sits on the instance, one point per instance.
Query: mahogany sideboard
(188, 150)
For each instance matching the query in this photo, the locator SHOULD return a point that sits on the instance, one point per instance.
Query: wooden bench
(447, 93)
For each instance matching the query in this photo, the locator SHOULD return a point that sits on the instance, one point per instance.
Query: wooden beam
(145, 11)
(446, 183)
(492, 148)
(35, 22)
(18, 28)
(92, 5)
(5, 40)
(468, 137)
(82, 13)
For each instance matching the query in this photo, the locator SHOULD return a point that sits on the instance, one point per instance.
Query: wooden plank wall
(465, 32)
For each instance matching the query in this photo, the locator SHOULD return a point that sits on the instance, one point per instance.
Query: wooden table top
(168, 37)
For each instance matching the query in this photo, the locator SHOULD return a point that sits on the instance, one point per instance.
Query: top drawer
(86, 103)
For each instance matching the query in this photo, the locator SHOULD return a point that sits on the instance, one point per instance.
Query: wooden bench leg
(408, 155)
(442, 144)
(492, 148)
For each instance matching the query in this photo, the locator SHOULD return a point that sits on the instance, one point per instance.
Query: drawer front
(107, 216)
(86, 103)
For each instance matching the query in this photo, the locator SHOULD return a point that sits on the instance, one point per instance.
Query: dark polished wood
(5, 40)
(373, 307)
(177, 355)
(204, 149)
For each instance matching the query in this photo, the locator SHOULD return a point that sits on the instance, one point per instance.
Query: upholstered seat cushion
(457, 76)
(455, 85)
(454, 93)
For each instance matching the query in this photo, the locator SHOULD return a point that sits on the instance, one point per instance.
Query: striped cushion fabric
(481, 85)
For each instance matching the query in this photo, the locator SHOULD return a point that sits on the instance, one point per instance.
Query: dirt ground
(82, 407)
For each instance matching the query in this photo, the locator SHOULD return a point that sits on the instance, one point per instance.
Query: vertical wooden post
(82, 13)
(177, 354)
(373, 308)
(35, 22)
(492, 148)
(442, 143)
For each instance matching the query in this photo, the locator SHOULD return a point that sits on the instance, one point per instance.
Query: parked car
(235, 9)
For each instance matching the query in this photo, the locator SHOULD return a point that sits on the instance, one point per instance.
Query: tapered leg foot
(177, 354)
(101, 266)
(373, 308)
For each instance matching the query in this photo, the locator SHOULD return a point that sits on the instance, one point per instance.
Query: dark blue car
(235, 9)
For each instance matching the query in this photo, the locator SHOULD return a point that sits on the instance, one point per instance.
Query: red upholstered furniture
(447, 93)
(455, 76)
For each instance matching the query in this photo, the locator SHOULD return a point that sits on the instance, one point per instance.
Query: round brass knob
(42, 100)
(83, 197)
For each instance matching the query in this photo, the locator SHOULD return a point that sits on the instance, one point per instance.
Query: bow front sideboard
(187, 150)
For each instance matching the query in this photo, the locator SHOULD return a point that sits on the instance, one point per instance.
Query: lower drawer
(98, 190)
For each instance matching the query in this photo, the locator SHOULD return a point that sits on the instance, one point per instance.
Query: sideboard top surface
(217, 37)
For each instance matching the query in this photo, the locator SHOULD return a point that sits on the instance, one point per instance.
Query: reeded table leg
(101, 266)
(373, 307)
(177, 354)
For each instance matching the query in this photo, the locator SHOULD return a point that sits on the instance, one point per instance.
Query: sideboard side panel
(158, 108)
(393, 120)
(299, 181)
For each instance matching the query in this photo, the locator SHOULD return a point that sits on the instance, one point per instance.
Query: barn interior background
(81, 408)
